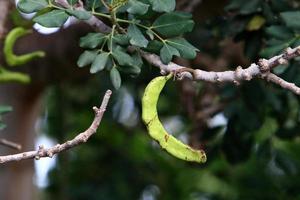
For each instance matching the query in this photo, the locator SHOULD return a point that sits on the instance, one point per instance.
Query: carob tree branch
(79, 139)
(263, 67)
(284, 84)
(260, 70)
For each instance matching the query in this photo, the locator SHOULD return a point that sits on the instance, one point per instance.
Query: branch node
(178, 73)
(237, 83)
(247, 76)
(163, 72)
(263, 65)
(288, 51)
(238, 75)
(178, 77)
(282, 61)
(217, 78)
(49, 154)
(40, 152)
(298, 50)
(96, 110)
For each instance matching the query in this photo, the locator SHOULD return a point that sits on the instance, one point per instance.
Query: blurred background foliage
(255, 155)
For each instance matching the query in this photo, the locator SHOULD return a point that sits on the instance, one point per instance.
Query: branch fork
(79, 139)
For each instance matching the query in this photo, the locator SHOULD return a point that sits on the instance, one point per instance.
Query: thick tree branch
(79, 139)
(254, 70)
(261, 70)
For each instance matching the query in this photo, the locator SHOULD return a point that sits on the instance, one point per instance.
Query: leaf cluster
(276, 21)
(149, 25)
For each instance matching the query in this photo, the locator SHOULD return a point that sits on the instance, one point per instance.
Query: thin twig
(284, 84)
(10, 144)
(105, 4)
(79, 139)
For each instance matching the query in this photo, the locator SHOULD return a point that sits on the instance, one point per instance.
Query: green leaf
(55, 18)
(92, 40)
(249, 7)
(109, 64)
(134, 69)
(234, 5)
(280, 5)
(278, 48)
(79, 14)
(273, 50)
(137, 7)
(115, 78)
(154, 46)
(72, 2)
(296, 43)
(173, 24)
(150, 34)
(167, 52)
(93, 4)
(5, 109)
(136, 36)
(268, 128)
(291, 19)
(267, 12)
(163, 5)
(137, 59)
(255, 23)
(273, 42)
(279, 32)
(121, 39)
(86, 58)
(30, 6)
(99, 62)
(122, 57)
(185, 49)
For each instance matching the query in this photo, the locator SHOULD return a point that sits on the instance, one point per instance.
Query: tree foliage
(253, 156)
